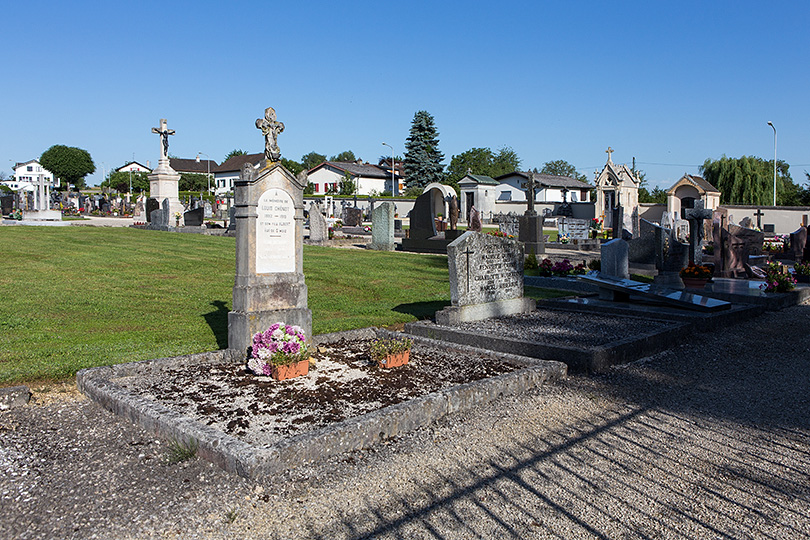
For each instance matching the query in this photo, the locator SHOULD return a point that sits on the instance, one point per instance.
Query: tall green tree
(560, 167)
(749, 180)
(235, 152)
(119, 181)
(68, 163)
(345, 156)
(423, 160)
(482, 161)
(313, 159)
(292, 165)
(193, 182)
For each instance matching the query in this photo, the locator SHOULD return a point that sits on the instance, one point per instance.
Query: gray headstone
(231, 221)
(318, 226)
(530, 233)
(208, 210)
(162, 218)
(152, 204)
(798, 241)
(382, 227)
(615, 259)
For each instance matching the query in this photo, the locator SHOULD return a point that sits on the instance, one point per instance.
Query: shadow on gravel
(422, 310)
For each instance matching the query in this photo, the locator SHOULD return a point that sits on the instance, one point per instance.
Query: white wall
(23, 174)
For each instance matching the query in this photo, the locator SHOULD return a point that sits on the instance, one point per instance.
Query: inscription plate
(484, 268)
(275, 232)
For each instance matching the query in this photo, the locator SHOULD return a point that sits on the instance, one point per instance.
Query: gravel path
(710, 439)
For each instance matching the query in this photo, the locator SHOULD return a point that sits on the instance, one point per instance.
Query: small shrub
(545, 268)
(531, 262)
(380, 348)
(595, 264)
(180, 451)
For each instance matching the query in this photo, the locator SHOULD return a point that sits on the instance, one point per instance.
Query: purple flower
(267, 370)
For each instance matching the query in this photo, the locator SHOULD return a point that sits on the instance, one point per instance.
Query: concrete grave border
(236, 456)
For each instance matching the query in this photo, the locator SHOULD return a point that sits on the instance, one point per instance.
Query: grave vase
(289, 371)
(394, 360)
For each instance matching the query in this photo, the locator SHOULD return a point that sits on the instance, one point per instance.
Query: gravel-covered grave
(343, 384)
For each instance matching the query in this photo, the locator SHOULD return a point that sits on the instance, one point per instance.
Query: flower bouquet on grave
(802, 272)
(696, 276)
(280, 352)
(564, 238)
(391, 352)
(777, 279)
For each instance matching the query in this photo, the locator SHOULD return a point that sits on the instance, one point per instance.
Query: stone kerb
(382, 227)
(486, 279)
(269, 285)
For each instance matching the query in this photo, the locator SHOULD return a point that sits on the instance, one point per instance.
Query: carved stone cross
(164, 133)
(468, 253)
(759, 213)
(609, 151)
(270, 129)
(695, 216)
(530, 185)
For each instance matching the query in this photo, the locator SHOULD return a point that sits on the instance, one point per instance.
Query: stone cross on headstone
(270, 129)
(695, 216)
(164, 133)
(468, 252)
(530, 185)
(759, 213)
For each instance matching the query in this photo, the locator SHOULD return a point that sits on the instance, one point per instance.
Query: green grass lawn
(76, 297)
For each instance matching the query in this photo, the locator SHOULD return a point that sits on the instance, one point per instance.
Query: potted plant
(280, 352)
(177, 216)
(391, 352)
(802, 271)
(777, 279)
(695, 276)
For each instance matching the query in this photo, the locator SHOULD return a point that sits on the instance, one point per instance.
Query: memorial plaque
(275, 232)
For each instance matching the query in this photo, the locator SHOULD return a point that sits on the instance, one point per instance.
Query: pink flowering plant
(777, 279)
(280, 344)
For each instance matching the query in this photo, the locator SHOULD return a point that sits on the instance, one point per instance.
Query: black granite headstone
(152, 204)
(194, 218)
(423, 225)
(353, 217)
(6, 204)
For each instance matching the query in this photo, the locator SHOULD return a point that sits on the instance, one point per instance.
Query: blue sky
(669, 83)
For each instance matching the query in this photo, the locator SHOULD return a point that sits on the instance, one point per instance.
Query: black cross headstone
(695, 216)
(759, 213)
(530, 185)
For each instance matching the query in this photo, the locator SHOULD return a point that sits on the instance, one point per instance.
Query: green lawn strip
(91, 296)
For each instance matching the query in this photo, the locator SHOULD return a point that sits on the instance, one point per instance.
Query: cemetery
(280, 393)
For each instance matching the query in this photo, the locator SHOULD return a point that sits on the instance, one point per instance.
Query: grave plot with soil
(254, 425)
(584, 341)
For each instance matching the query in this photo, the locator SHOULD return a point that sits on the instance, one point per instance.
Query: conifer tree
(423, 160)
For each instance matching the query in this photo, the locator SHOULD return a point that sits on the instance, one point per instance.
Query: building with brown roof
(228, 172)
(687, 190)
(368, 178)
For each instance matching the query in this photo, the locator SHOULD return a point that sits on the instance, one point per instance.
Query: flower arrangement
(279, 345)
(177, 215)
(501, 234)
(696, 271)
(383, 347)
(545, 267)
(777, 279)
(561, 269)
(564, 238)
(16, 214)
(802, 269)
(596, 224)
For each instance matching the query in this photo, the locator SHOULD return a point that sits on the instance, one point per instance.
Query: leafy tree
(423, 160)
(345, 156)
(235, 152)
(482, 161)
(68, 163)
(749, 180)
(560, 167)
(193, 182)
(312, 160)
(347, 185)
(657, 195)
(292, 166)
(309, 189)
(119, 181)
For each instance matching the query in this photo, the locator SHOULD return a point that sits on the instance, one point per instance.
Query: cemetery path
(708, 439)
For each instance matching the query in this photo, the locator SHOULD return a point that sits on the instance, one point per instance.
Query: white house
(133, 166)
(479, 191)
(228, 172)
(367, 177)
(550, 188)
(33, 172)
(19, 186)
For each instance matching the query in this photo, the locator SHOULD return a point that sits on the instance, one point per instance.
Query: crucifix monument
(696, 217)
(164, 181)
(530, 225)
(270, 129)
(269, 284)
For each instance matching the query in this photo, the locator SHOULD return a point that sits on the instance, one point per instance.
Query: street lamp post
(207, 167)
(774, 161)
(393, 183)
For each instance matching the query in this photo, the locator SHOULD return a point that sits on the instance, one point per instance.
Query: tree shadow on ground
(217, 320)
(422, 310)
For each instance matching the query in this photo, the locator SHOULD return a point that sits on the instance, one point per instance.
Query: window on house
(316, 188)
(505, 196)
(30, 168)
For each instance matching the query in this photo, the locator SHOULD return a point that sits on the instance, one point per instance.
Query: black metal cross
(759, 213)
(530, 185)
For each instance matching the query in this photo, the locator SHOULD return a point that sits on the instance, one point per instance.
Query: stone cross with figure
(270, 129)
(164, 133)
(530, 185)
(696, 216)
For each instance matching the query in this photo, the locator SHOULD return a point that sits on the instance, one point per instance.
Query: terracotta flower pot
(394, 360)
(289, 371)
(695, 283)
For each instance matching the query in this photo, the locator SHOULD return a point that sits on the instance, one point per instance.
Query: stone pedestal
(269, 285)
(530, 232)
(164, 184)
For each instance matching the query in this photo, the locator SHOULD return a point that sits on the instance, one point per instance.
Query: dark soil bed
(345, 383)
